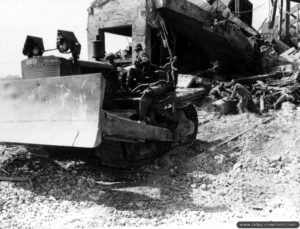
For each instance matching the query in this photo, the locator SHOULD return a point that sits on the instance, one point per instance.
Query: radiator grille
(49, 66)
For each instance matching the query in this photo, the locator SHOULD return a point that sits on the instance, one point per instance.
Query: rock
(80, 182)
(179, 199)
(239, 215)
(156, 167)
(122, 222)
(222, 192)
(147, 215)
(193, 185)
(274, 165)
(189, 176)
(164, 197)
(176, 188)
(139, 212)
(172, 172)
(173, 183)
(4, 215)
(51, 192)
(213, 191)
(275, 205)
(269, 209)
(220, 158)
(69, 197)
(158, 213)
(139, 204)
(36, 166)
(203, 187)
(288, 108)
(101, 193)
(130, 204)
(237, 166)
(51, 198)
(68, 187)
(93, 197)
(274, 158)
(91, 183)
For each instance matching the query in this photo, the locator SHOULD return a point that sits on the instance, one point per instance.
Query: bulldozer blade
(61, 111)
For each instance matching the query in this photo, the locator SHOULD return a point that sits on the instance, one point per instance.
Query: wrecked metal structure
(199, 32)
(283, 21)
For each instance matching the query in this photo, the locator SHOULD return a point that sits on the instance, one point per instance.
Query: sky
(42, 18)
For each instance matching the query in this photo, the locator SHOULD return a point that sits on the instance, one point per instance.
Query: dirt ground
(254, 177)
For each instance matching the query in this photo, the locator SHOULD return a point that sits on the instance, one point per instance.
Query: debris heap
(260, 93)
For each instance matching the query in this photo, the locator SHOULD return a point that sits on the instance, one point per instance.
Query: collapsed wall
(199, 32)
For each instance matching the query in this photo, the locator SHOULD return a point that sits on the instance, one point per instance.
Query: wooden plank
(251, 79)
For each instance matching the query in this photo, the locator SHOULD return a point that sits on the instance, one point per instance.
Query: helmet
(138, 47)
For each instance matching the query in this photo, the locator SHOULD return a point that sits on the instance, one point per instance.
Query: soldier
(245, 103)
(127, 53)
(110, 57)
(141, 69)
(219, 91)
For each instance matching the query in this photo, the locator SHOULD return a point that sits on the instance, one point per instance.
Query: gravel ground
(255, 177)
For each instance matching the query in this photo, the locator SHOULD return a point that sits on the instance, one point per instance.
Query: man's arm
(234, 92)
(144, 58)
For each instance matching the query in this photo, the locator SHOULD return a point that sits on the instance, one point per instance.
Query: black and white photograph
(149, 114)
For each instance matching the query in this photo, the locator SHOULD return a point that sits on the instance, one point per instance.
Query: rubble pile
(260, 93)
(189, 185)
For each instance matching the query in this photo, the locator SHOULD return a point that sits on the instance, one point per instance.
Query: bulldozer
(78, 104)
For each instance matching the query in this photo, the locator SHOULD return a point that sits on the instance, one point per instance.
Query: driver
(141, 68)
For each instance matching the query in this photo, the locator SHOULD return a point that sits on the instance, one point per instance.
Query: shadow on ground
(160, 186)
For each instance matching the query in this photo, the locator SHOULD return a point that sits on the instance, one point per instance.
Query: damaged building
(200, 33)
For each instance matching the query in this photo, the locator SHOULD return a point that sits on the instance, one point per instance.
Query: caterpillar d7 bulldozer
(74, 103)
